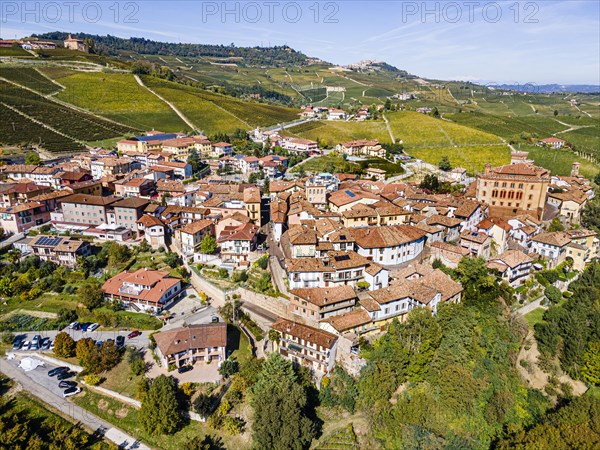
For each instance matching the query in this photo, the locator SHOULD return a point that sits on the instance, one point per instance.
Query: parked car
(120, 341)
(93, 327)
(17, 343)
(67, 384)
(99, 343)
(64, 375)
(46, 344)
(133, 334)
(57, 370)
(74, 326)
(214, 319)
(71, 391)
(26, 345)
(84, 326)
(184, 369)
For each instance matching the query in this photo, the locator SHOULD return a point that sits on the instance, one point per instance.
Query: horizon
(492, 42)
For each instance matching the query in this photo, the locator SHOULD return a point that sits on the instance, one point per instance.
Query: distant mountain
(250, 56)
(551, 88)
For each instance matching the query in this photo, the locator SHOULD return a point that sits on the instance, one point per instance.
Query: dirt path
(169, 104)
(387, 125)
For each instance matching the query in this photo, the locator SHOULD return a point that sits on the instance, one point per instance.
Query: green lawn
(127, 418)
(239, 344)
(119, 379)
(534, 316)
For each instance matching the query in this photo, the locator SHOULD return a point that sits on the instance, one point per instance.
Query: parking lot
(139, 341)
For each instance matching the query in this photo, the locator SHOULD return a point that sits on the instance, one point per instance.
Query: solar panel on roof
(350, 194)
(342, 258)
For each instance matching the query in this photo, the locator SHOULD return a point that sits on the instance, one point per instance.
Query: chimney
(488, 168)
(575, 169)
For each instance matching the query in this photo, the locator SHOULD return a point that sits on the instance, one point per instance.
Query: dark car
(214, 319)
(184, 369)
(46, 344)
(84, 326)
(133, 334)
(64, 375)
(120, 341)
(67, 384)
(57, 370)
(18, 343)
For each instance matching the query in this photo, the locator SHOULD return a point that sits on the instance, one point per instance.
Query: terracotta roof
(301, 235)
(445, 221)
(245, 232)
(521, 169)
(474, 236)
(96, 200)
(306, 333)
(158, 281)
(334, 261)
(131, 202)
(489, 222)
(513, 258)
(349, 320)
(195, 336)
(197, 226)
(149, 221)
(325, 296)
(556, 239)
(386, 236)
(346, 196)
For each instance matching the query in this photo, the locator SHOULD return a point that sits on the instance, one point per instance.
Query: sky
(483, 41)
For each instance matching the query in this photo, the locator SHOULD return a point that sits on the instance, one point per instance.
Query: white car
(93, 327)
(71, 391)
(26, 345)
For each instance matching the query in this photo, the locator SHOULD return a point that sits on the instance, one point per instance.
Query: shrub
(64, 345)
(203, 405)
(92, 380)
(263, 262)
(7, 337)
(553, 294)
(228, 368)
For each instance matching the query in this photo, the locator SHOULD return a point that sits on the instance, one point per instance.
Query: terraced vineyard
(75, 124)
(30, 78)
(119, 97)
(16, 129)
(199, 105)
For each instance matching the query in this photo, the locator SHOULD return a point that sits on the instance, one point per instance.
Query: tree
(208, 245)
(553, 294)
(590, 369)
(87, 353)
(555, 112)
(204, 405)
(444, 164)
(32, 158)
(274, 335)
(194, 160)
(90, 295)
(159, 413)
(430, 182)
(8, 337)
(118, 254)
(280, 408)
(266, 186)
(556, 225)
(109, 356)
(228, 368)
(64, 345)
(172, 259)
(14, 255)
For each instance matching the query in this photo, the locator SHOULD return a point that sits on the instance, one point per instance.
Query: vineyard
(79, 125)
(305, 127)
(16, 129)
(29, 78)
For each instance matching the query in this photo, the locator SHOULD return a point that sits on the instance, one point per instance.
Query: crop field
(121, 98)
(30, 78)
(585, 140)
(471, 157)
(73, 123)
(16, 129)
(560, 161)
(419, 130)
(57, 72)
(333, 132)
(305, 127)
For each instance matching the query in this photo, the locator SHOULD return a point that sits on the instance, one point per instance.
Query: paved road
(203, 316)
(531, 306)
(38, 383)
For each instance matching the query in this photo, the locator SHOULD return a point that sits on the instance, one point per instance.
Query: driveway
(204, 315)
(38, 383)
(201, 373)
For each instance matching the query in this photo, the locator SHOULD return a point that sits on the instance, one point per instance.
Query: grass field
(119, 97)
(534, 316)
(333, 132)
(471, 157)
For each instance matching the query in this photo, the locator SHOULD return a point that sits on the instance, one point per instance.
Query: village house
(111, 166)
(60, 250)
(336, 114)
(450, 226)
(552, 246)
(315, 304)
(344, 199)
(20, 218)
(135, 187)
(236, 243)
(583, 247)
(389, 245)
(498, 229)
(478, 243)
(191, 235)
(221, 149)
(336, 269)
(448, 254)
(307, 346)
(553, 142)
(145, 289)
(524, 227)
(570, 203)
(375, 174)
(12, 194)
(153, 230)
(299, 145)
(75, 44)
(514, 267)
(196, 342)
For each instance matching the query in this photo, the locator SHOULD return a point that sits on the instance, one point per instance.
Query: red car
(133, 334)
